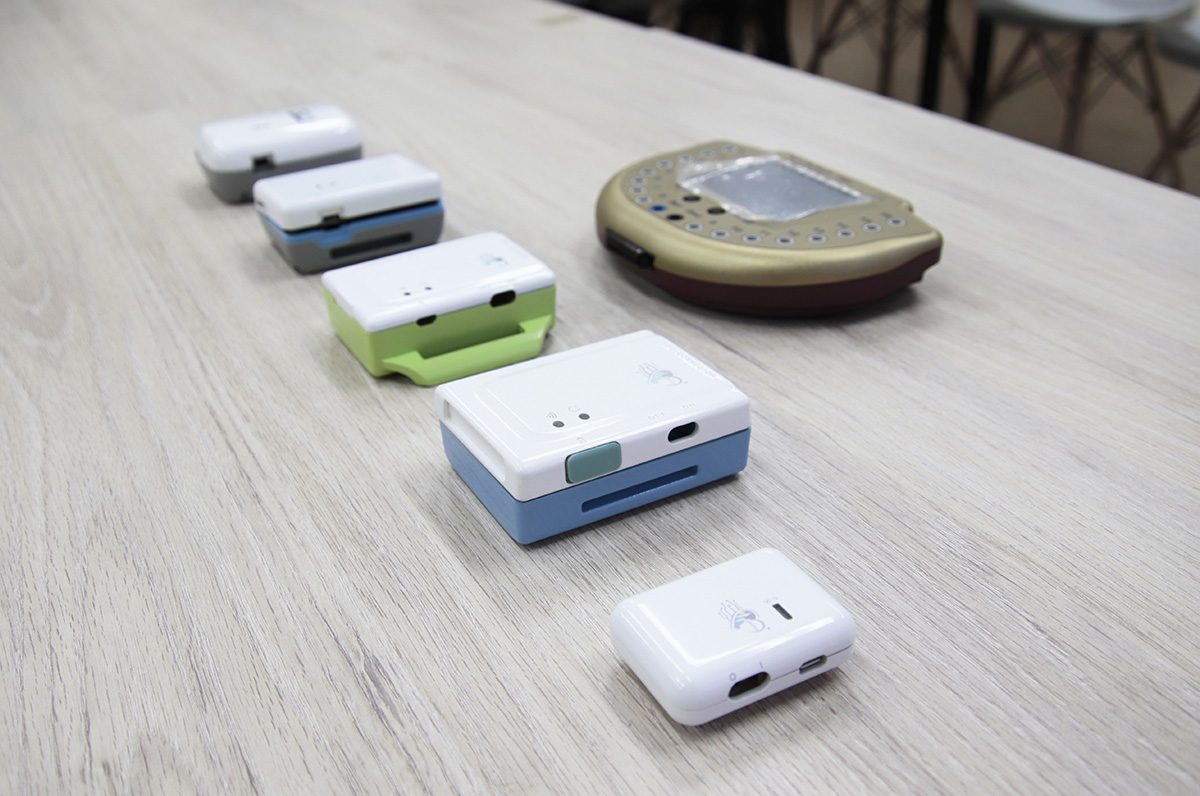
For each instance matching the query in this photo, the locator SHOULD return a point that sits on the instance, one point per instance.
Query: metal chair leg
(1077, 94)
(981, 64)
(1186, 128)
(887, 53)
(931, 71)
(1157, 105)
(824, 38)
(1006, 83)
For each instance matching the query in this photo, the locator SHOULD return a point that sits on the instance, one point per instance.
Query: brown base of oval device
(788, 301)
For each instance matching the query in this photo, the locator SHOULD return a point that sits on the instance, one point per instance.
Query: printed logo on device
(741, 619)
(656, 375)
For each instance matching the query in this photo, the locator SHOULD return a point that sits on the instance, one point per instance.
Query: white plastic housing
(356, 188)
(231, 145)
(435, 280)
(710, 643)
(523, 421)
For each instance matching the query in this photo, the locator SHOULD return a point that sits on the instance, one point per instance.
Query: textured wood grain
(233, 561)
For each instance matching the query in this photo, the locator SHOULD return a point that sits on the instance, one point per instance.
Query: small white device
(728, 636)
(234, 153)
(336, 215)
(562, 441)
(444, 311)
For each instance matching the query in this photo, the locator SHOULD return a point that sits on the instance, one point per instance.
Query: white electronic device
(348, 212)
(445, 311)
(562, 441)
(234, 153)
(728, 636)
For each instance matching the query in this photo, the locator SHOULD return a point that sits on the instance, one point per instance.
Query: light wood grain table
(234, 562)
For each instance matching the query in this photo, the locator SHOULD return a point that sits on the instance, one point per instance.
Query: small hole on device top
(749, 684)
(782, 611)
(428, 319)
(507, 297)
(681, 432)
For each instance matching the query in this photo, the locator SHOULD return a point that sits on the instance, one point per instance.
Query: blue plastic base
(543, 517)
(313, 250)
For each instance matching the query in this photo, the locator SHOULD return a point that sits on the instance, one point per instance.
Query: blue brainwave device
(349, 212)
(559, 442)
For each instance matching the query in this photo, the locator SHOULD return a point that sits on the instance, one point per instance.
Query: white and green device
(736, 228)
(445, 311)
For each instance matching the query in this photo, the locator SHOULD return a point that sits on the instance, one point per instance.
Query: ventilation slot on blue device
(637, 489)
(370, 245)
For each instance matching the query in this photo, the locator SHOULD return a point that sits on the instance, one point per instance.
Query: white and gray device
(728, 636)
(234, 153)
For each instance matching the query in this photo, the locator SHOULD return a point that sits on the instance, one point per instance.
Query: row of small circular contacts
(638, 187)
(787, 240)
(666, 163)
(782, 240)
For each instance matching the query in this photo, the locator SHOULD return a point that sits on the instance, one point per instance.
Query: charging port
(814, 663)
(629, 250)
(428, 319)
(262, 163)
(680, 432)
(507, 297)
(749, 684)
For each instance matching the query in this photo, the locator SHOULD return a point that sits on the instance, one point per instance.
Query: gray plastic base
(237, 186)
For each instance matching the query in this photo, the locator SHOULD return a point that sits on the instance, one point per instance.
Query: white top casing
(693, 640)
(349, 190)
(231, 145)
(632, 390)
(434, 280)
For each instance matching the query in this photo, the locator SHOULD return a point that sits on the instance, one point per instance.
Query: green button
(593, 462)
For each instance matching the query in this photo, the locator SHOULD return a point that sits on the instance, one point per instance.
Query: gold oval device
(736, 228)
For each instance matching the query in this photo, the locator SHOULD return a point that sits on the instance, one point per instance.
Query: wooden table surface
(234, 562)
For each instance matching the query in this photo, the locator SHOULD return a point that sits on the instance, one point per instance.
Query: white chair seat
(1074, 15)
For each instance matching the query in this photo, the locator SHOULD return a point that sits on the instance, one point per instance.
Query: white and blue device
(555, 443)
(349, 212)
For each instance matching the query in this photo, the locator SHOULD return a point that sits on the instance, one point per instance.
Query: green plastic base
(451, 346)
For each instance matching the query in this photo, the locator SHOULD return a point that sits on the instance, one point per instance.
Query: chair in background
(1180, 44)
(887, 26)
(1061, 42)
(756, 26)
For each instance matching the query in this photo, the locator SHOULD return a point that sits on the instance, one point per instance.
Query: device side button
(593, 462)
